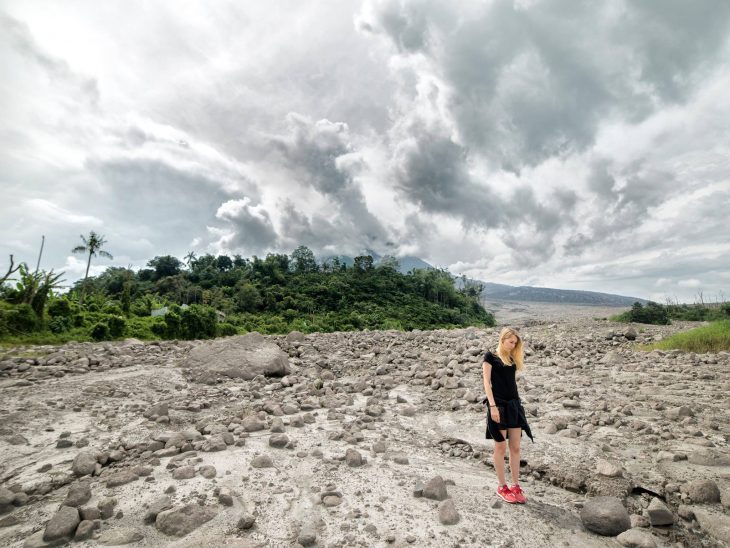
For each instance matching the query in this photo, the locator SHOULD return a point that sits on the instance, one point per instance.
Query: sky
(554, 143)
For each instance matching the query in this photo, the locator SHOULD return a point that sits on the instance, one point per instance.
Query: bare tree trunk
(83, 289)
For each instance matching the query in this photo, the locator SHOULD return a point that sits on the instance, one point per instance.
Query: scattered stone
(278, 440)
(702, 491)
(307, 535)
(608, 469)
(121, 478)
(605, 516)
(636, 538)
(208, 471)
(447, 512)
(353, 458)
(106, 507)
(181, 521)
(84, 530)
(63, 524)
(84, 463)
(658, 513)
(435, 489)
(246, 522)
(184, 472)
(262, 461)
(78, 494)
(120, 537)
(158, 505)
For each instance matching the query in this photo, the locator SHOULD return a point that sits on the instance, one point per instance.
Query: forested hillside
(220, 295)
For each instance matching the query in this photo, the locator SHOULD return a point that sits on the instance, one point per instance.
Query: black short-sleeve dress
(507, 399)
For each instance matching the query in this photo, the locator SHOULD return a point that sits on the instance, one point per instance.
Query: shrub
(59, 324)
(198, 322)
(79, 320)
(117, 325)
(100, 331)
(226, 330)
(159, 328)
(59, 308)
(21, 319)
(172, 325)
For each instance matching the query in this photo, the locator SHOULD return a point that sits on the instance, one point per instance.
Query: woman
(506, 416)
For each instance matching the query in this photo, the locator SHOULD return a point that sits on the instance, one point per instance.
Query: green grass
(710, 338)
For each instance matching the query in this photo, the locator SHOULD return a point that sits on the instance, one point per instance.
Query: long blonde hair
(517, 356)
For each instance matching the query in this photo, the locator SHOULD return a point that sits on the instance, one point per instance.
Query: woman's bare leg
(500, 448)
(515, 435)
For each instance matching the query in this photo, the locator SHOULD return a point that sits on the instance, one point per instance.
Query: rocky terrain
(362, 439)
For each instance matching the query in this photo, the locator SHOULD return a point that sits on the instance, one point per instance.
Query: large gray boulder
(181, 521)
(241, 357)
(605, 516)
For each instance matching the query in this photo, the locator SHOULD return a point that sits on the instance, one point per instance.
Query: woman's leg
(500, 448)
(515, 435)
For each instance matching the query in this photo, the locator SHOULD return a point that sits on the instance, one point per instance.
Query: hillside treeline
(211, 295)
(660, 314)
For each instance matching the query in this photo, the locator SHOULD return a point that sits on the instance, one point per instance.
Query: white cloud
(692, 282)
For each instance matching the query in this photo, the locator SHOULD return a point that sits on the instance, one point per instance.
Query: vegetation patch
(710, 338)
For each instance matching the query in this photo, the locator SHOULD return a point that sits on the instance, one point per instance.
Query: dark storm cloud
(320, 154)
(623, 201)
(170, 203)
(253, 230)
(431, 171)
(529, 83)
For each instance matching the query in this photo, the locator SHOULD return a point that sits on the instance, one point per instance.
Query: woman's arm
(487, 377)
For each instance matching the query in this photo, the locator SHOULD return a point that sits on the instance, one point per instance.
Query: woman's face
(509, 343)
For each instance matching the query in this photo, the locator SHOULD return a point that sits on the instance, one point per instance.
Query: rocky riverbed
(362, 439)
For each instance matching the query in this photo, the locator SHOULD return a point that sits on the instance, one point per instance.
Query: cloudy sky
(555, 143)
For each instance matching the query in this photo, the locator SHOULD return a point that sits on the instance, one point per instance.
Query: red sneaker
(517, 493)
(506, 495)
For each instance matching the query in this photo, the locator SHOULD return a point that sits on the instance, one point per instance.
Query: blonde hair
(517, 356)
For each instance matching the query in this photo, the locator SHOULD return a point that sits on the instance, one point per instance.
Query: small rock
(702, 491)
(158, 505)
(307, 535)
(184, 472)
(208, 471)
(63, 524)
(246, 522)
(121, 478)
(262, 461)
(84, 463)
(436, 489)
(636, 538)
(278, 440)
(447, 512)
(605, 516)
(78, 494)
(120, 537)
(181, 521)
(353, 458)
(84, 530)
(658, 513)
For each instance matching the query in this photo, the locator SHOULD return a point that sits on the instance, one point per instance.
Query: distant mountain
(503, 292)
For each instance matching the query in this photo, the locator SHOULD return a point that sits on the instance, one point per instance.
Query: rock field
(363, 439)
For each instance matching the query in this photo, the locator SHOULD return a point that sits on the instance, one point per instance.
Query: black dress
(504, 390)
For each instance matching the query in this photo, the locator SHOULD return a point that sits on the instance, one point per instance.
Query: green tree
(93, 246)
(304, 260)
(165, 266)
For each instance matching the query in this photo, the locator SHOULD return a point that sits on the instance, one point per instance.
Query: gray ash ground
(340, 451)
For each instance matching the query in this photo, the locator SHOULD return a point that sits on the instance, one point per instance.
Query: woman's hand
(494, 413)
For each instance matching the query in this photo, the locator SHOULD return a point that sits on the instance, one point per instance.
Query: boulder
(636, 538)
(240, 357)
(63, 524)
(181, 521)
(447, 512)
(605, 516)
(84, 463)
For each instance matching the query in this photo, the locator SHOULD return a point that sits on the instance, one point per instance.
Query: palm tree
(190, 257)
(92, 246)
